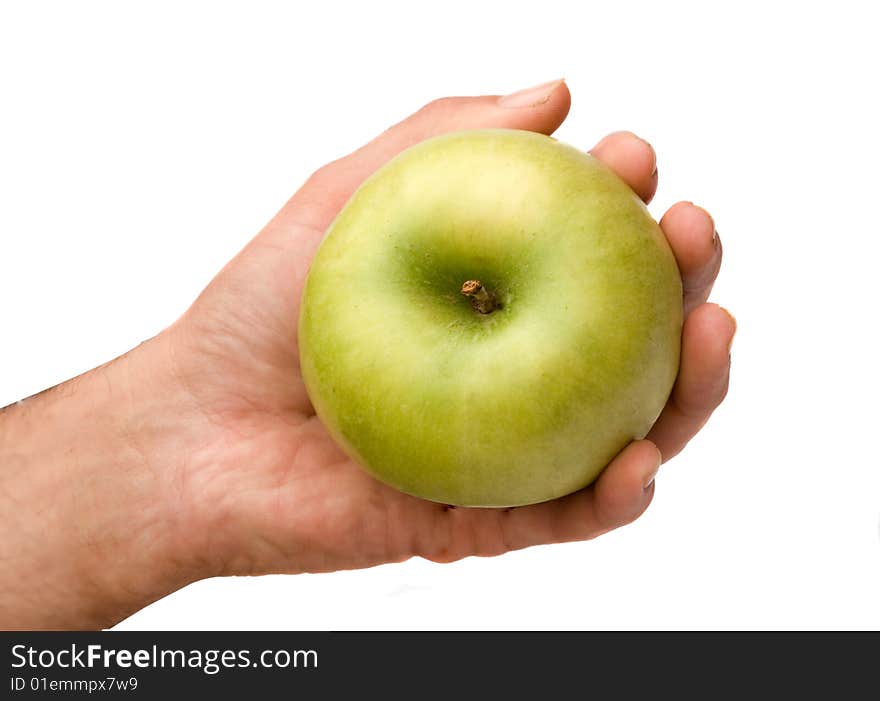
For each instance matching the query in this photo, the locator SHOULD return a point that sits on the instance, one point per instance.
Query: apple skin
(524, 404)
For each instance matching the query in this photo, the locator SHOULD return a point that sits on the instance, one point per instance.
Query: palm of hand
(269, 488)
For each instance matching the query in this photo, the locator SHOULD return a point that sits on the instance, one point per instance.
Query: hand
(291, 500)
(242, 477)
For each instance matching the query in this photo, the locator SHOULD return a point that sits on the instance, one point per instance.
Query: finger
(632, 158)
(620, 495)
(691, 233)
(702, 378)
(540, 109)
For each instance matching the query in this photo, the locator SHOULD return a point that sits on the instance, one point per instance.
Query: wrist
(92, 510)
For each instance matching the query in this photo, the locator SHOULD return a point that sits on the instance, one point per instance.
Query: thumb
(541, 109)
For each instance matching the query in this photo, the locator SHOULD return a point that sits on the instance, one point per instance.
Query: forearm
(89, 529)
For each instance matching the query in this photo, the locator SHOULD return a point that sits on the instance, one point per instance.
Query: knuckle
(437, 105)
(320, 175)
(694, 408)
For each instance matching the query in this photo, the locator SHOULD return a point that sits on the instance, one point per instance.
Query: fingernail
(653, 154)
(708, 216)
(732, 329)
(649, 479)
(530, 97)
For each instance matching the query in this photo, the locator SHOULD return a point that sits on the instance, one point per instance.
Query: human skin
(198, 453)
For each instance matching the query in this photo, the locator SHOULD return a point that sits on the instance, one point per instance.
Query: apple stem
(482, 300)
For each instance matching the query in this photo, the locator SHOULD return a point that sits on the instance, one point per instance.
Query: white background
(141, 148)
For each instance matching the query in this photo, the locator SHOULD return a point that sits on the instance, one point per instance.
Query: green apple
(490, 319)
